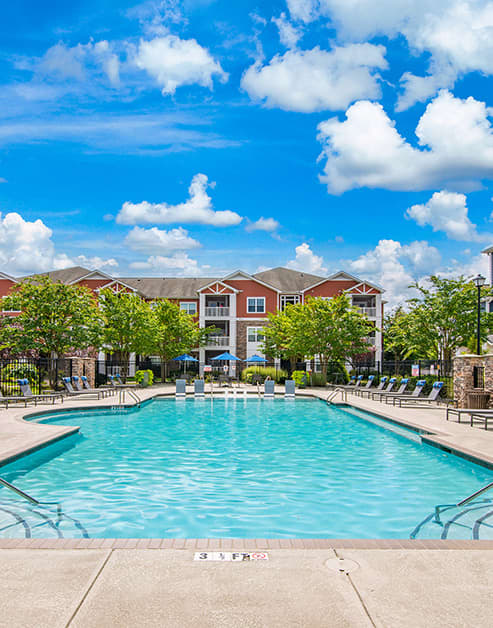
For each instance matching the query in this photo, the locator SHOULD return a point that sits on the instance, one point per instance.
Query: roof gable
(218, 287)
(287, 280)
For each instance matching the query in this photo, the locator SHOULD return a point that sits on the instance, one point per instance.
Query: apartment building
(237, 304)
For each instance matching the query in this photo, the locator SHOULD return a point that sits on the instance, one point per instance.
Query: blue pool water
(243, 468)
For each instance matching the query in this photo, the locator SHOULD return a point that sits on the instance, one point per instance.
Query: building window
(255, 334)
(190, 307)
(289, 299)
(256, 305)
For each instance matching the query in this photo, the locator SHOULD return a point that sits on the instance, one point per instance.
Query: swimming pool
(245, 468)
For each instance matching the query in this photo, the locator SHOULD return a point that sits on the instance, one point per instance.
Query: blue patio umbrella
(226, 356)
(256, 358)
(185, 358)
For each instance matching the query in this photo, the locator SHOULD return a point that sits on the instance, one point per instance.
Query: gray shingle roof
(171, 288)
(66, 275)
(288, 280)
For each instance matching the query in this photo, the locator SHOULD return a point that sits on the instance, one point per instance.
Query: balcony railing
(371, 312)
(216, 312)
(218, 341)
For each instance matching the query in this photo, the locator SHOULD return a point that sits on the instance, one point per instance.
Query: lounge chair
(120, 382)
(198, 388)
(27, 393)
(390, 387)
(71, 392)
(432, 397)
(114, 383)
(269, 388)
(473, 413)
(80, 387)
(367, 386)
(367, 392)
(350, 387)
(13, 399)
(400, 392)
(289, 389)
(352, 383)
(181, 388)
(420, 384)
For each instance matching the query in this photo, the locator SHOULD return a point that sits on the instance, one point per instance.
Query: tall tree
(443, 317)
(54, 319)
(175, 332)
(127, 325)
(332, 329)
(396, 335)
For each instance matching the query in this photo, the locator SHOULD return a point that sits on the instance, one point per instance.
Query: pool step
(19, 520)
(473, 521)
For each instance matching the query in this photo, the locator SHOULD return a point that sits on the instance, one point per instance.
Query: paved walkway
(122, 583)
(299, 588)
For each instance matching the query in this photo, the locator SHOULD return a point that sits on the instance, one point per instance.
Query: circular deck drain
(343, 565)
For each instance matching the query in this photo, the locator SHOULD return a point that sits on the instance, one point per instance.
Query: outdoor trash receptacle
(478, 400)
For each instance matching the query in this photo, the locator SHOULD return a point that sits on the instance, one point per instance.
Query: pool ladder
(331, 397)
(30, 499)
(133, 395)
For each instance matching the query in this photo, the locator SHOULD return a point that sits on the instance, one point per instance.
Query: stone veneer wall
(241, 335)
(463, 376)
(85, 366)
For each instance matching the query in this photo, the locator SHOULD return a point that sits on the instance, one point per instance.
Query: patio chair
(13, 399)
(28, 393)
(114, 382)
(367, 386)
(289, 389)
(352, 382)
(400, 392)
(71, 392)
(79, 386)
(364, 392)
(420, 384)
(199, 388)
(485, 414)
(181, 388)
(390, 386)
(269, 388)
(350, 387)
(433, 397)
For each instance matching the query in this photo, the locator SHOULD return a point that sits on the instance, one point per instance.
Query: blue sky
(184, 138)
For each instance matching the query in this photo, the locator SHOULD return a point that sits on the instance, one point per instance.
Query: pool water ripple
(242, 468)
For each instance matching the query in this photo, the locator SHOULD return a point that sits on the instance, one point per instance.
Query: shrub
(20, 370)
(140, 377)
(278, 375)
(300, 378)
(337, 373)
(318, 379)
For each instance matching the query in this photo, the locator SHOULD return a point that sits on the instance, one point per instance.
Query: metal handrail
(464, 502)
(121, 396)
(28, 498)
(332, 395)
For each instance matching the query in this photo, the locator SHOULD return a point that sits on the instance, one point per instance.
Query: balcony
(218, 341)
(371, 312)
(216, 312)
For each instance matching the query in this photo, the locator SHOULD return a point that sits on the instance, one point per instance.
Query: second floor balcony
(217, 341)
(371, 312)
(216, 312)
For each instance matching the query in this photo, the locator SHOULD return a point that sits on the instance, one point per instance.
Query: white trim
(108, 285)
(5, 276)
(189, 303)
(88, 276)
(290, 294)
(251, 319)
(256, 311)
(218, 281)
(346, 276)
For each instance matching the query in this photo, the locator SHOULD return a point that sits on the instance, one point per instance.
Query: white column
(378, 323)
(232, 326)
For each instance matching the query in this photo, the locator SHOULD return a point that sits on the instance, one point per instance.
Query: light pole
(479, 281)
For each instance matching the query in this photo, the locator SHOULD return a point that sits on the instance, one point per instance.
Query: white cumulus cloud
(263, 224)
(317, 80)
(307, 261)
(178, 264)
(366, 150)
(174, 62)
(197, 209)
(159, 241)
(447, 211)
(289, 34)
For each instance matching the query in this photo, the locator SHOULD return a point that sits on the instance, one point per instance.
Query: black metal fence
(42, 374)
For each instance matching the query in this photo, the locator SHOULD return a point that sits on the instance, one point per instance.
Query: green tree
(127, 325)
(54, 319)
(443, 317)
(332, 329)
(396, 335)
(175, 332)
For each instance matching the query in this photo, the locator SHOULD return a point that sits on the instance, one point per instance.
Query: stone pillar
(85, 366)
(464, 378)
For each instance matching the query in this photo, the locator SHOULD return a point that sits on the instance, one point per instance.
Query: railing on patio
(216, 312)
(218, 341)
(371, 312)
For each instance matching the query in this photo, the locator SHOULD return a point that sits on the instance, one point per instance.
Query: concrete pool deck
(156, 582)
